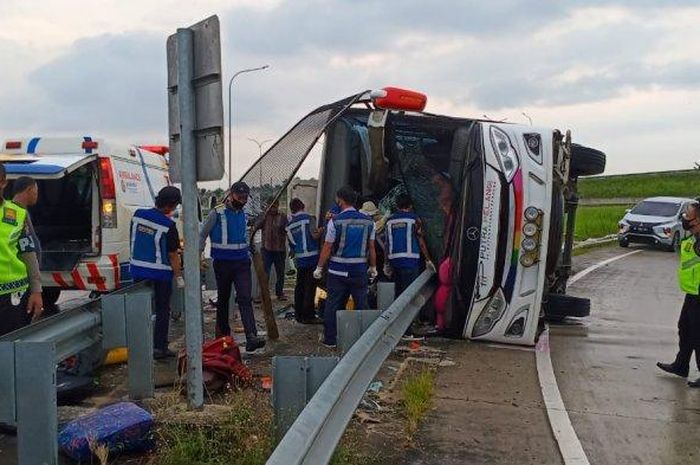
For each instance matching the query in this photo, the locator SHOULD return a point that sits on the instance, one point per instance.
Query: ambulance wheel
(559, 306)
(586, 161)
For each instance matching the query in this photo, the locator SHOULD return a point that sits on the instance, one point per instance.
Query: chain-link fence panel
(270, 175)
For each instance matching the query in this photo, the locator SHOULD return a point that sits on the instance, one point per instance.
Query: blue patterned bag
(121, 427)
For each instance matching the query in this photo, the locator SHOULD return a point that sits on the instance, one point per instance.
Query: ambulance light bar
(395, 98)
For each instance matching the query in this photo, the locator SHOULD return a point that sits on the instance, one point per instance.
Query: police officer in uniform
(405, 243)
(347, 250)
(225, 227)
(154, 257)
(20, 281)
(689, 320)
(303, 240)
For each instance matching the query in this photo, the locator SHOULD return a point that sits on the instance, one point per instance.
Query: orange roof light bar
(395, 98)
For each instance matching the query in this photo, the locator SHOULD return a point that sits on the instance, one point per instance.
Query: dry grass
(237, 432)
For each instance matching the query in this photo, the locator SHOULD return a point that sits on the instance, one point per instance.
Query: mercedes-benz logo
(473, 233)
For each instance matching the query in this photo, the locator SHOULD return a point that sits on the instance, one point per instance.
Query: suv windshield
(656, 208)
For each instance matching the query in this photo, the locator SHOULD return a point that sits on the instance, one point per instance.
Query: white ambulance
(88, 191)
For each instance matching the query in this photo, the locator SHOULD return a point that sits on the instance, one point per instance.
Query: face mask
(236, 204)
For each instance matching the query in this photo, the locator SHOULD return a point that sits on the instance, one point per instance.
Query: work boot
(673, 369)
(254, 343)
(694, 384)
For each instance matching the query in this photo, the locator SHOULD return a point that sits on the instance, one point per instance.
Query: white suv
(655, 221)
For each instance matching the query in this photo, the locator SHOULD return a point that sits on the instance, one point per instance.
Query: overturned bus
(498, 200)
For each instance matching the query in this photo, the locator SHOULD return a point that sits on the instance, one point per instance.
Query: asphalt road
(623, 409)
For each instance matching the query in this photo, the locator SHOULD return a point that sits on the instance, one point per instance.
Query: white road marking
(592, 268)
(569, 445)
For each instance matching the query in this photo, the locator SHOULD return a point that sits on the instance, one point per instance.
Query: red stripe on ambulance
(58, 279)
(95, 277)
(78, 280)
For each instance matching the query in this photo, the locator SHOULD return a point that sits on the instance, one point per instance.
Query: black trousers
(689, 332)
(162, 290)
(304, 294)
(236, 273)
(13, 317)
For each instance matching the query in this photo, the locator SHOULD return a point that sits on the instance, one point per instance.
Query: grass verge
(597, 221)
(639, 186)
(416, 398)
(239, 433)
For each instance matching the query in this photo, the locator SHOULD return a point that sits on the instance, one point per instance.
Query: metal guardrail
(315, 433)
(29, 355)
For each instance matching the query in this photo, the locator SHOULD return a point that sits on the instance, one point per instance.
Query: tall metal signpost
(196, 120)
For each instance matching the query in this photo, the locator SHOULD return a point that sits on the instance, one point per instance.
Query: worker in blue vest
(349, 252)
(155, 244)
(405, 243)
(226, 228)
(303, 236)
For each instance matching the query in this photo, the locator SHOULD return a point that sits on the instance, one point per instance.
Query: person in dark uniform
(303, 240)
(349, 252)
(154, 257)
(689, 320)
(226, 228)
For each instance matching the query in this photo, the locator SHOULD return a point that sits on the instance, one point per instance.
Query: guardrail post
(37, 428)
(139, 336)
(113, 321)
(8, 411)
(352, 324)
(385, 295)
(295, 380)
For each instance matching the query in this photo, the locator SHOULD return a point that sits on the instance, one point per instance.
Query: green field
(639, 186)
(597, 221)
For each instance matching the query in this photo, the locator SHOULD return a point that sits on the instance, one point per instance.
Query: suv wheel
(675, 243)
(624, 242)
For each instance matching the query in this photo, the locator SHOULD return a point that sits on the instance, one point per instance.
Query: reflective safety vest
(149, 245)
(229, 238)
(13, 271)
(305, 246)
(689, 268)
(352, 232)
(402, 238)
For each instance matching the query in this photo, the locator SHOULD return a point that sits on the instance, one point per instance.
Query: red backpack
(221, 364)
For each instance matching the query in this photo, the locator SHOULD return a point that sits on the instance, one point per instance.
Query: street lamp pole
(260, 145)
(230, 83)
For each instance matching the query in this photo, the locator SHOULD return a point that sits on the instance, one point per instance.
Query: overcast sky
(624, 76)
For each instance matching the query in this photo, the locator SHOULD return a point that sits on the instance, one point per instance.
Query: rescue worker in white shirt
(154, 257)
(348, 250)
(405, 243)
(20, 281)
(226, 227)
(303, 241)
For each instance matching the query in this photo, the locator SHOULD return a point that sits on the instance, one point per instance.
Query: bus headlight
(529, 244)
(532, 213)
(489, 316)
(505, 152)
(530, 229)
